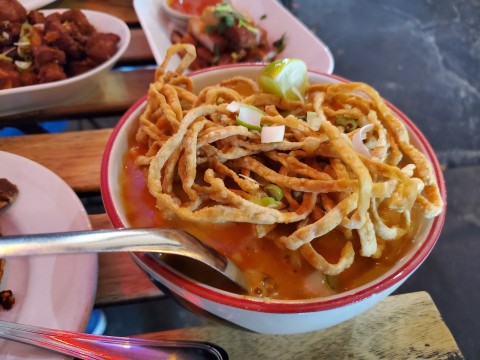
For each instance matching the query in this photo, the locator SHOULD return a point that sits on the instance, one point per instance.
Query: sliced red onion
(272, 134)
(357, 140)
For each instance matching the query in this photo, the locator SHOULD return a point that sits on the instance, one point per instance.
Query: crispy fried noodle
(202, 166)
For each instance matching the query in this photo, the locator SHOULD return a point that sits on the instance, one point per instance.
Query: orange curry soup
(284, 273)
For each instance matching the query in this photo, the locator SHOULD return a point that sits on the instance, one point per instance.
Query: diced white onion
(357, 140)
(271, 134)
(234, 106)
(313, 120)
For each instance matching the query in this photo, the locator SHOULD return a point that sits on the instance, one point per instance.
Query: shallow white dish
(50, 291)
(35, 4)
(300, 41)
(40, 96)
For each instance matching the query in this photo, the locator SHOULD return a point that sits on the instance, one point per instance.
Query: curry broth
(261, 259)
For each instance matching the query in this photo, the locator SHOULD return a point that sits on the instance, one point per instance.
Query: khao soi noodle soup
(310, 197)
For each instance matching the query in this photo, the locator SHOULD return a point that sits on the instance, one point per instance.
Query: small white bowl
(265, 315)
(41, 96)
(180, 19)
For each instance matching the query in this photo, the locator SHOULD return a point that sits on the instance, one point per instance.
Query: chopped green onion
(250, 117)
(266, 201)
(246, 25)
(263, 17)
(5, 58)
(26, 30)
(248, 125)
(274, 191)
(348, 123)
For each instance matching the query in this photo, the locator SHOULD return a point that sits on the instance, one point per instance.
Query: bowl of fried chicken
(49, 57)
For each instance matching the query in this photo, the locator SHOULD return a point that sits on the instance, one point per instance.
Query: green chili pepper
(274, 191)
(266, 201)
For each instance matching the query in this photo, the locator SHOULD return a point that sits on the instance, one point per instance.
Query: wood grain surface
(120, 280)
(405, 326)
(74, 156)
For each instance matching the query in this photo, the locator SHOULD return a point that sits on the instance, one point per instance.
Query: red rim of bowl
(282, 306)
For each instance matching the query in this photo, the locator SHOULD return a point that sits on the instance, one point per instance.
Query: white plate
(300, 41)
(50, 291)
(35, 4)
(40, 96)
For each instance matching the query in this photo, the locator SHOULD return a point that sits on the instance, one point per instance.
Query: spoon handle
(95, 347)
(167, 241)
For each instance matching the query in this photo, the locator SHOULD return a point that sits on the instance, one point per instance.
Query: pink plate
(50, 291)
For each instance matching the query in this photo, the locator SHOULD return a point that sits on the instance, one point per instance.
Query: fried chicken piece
(76, 17)
(9, 76)
(7, 299)
(80, 66)
(101, 46)
(8, 192)
(241, 37)
(12, 11)
(43, 55)
(36, 17)
(60, 37)
(29, 78)
(51, 72)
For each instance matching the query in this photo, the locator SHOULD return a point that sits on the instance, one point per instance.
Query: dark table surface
(424, 57)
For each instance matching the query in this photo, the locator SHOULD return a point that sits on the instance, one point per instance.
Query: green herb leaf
(279, 44)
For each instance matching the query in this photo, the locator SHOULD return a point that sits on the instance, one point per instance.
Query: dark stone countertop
(424, 57)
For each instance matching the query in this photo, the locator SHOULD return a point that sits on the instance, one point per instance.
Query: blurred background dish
(50, 291)
(269, 14)
(40, 96)
(35, 4)
(272, 316)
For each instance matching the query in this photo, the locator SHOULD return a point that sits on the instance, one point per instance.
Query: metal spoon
(95, 347)
(152, 240)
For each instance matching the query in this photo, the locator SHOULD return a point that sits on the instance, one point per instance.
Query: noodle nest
(202, 166)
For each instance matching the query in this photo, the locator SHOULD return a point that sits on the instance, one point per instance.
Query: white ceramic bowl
(266, 315)
(41, 96)
(180, 19)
